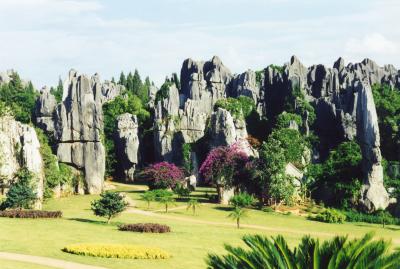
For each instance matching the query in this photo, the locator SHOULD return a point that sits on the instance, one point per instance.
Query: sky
(43, 39)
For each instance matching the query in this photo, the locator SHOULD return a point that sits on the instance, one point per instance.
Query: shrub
(21, 193)
(109, 205)
(31, 214)
(162, 175)
(238, 107)
(165, 197)
(148, 196)
(242, 200)
(181, 191)
(330, 216)
(376, 218)
(145, 228)
(117, 251)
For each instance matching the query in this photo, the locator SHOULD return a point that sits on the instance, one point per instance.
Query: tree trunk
(108, 220)
(166, 208)
(238, 223)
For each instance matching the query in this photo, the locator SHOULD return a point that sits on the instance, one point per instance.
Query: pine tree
(122, 79)
(21, 194)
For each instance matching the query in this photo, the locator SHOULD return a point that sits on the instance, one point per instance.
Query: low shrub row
(31, 214)
(330, 216)
(145, 228)
(377, 218)
(117, 251)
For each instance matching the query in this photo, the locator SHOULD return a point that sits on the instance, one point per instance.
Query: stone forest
(299, 164)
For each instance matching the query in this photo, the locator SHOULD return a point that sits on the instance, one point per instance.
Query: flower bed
(31, 214)
(145, 228)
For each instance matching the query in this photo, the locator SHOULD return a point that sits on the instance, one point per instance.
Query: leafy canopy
(109, 205)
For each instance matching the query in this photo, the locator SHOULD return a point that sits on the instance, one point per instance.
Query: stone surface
(78, 129)
(45, 110)
(20, 147)
(127, 144)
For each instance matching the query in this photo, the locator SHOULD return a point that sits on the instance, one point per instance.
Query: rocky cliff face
(20, 147)
(45, 110)
(128, 144)
(78, 129)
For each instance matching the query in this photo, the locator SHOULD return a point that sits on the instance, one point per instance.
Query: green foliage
(165, 197)
(18, 98)
(296, 103)
(387, 103)
(336, 253)
(55, 174)
(148, 196)
(376, 217)
(163, 92)
(340, 174)
(134, 85)
(127, 103)
(109, 205)
(283, 120)
(21, 193)
(277, 68)
(182, 191)
(237, 214)
(240, 107)
(242, 200)
(292, 142)
(330, 215)
(193, 204)
(58, 91)
(187, 161)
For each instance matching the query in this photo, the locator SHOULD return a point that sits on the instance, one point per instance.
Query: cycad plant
(237, 214)
(337, 253)
(193, 204)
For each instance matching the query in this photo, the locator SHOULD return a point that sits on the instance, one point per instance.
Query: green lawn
(188, 243)
(6, 264)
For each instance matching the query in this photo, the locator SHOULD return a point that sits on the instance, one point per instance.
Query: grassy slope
(188, 243)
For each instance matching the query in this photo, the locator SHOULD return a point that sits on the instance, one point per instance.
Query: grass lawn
(189, 242)
(6, 264)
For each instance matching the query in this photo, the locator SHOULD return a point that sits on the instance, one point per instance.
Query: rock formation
(127, 144)
(20, 147)
(45, 110)
(78, 129)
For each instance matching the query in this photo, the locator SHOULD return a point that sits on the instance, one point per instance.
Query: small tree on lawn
(223, 167)
(21, 194)
(148, 196)
(193, 203)
(109, 205)
(166, 198)
(237, 214)
(163, 176)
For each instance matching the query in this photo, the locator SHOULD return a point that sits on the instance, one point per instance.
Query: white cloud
(374, 43)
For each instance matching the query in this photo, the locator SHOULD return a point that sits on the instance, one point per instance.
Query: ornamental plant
(223, 165)
(109, 205)
(162, 175)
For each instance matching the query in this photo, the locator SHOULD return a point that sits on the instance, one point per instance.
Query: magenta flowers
(162, 175)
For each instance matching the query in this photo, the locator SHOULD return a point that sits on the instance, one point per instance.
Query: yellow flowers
(117, 251)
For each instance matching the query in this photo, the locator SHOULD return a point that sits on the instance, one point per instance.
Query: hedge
(145, 228)
(117, 251)
(30, 214)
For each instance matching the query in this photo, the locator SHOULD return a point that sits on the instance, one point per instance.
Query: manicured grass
(6, 264)
(188, 242)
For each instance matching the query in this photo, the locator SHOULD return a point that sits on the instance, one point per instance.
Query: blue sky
(43, 39)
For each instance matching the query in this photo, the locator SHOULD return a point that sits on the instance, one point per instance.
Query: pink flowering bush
(163, 175)
(224, 165)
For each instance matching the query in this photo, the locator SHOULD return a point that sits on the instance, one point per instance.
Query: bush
(242, 200)
(376, 218)
(117, 251)
(145, 228)
(238, 107)
(330, 216)
(21, 193)
(182, 191)
(31, 214)
(162, 175)
(109, 205)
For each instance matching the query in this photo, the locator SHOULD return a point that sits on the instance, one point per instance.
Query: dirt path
(45, 261)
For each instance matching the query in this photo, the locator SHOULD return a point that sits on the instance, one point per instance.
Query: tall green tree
(109, 205)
